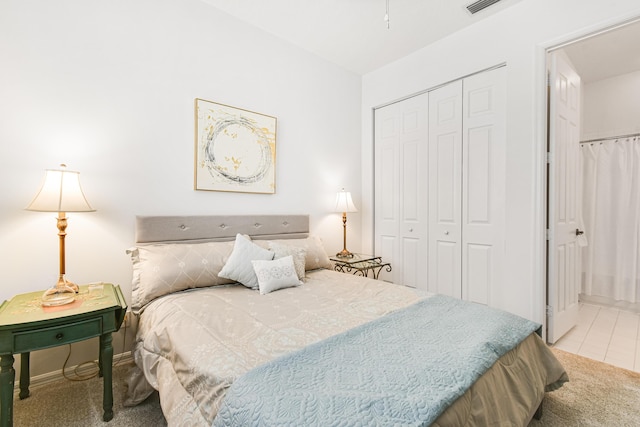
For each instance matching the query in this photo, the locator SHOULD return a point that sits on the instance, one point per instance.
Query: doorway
(609, 71)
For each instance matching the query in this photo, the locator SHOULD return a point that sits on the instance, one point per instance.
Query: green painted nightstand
(25, 326)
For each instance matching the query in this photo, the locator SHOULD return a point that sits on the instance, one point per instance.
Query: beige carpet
(597, 395)
(79, 404)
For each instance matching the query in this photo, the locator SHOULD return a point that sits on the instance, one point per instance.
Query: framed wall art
(235, 149)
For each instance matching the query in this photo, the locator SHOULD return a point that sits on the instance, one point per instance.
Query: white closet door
(483, 184)
(401, 185)
(445, 158)
(440, 187)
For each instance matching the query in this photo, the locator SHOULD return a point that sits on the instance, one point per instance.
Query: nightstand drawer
(63, 334)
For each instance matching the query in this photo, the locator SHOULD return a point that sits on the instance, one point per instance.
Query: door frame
(541, 190)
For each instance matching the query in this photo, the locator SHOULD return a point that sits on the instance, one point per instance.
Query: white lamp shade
(60, 192)
(344, 202)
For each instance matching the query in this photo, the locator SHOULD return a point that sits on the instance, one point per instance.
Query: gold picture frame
(235, 149)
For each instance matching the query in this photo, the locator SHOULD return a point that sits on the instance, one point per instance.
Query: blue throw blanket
(405, 368)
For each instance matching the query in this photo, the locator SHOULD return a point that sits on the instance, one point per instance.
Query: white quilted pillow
(277, 274)
(238, 267)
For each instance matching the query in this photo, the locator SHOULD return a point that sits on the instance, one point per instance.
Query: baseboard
(84, 369)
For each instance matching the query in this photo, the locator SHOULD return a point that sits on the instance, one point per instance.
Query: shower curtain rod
(611, 137)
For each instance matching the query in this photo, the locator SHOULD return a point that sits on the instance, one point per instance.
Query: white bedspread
(233, 329)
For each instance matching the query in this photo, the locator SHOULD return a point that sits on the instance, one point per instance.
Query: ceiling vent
(479, 5)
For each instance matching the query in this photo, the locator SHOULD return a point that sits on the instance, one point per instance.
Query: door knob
(579, 232)
(446, 233)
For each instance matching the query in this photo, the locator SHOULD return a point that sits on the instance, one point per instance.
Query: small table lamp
(60, 192)
(344, 204)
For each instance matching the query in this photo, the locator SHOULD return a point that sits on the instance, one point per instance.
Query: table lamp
(61, 193)
(344, 204)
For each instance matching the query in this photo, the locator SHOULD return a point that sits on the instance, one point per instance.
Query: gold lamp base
(344, 254)
(62, 293)
(57, 296)
(62, 282)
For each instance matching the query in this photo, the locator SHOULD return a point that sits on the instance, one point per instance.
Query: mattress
(191, 346)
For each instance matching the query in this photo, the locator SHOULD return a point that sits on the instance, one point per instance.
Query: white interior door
(563, 281)
(401, 180)
(445, 197)
(483, 184)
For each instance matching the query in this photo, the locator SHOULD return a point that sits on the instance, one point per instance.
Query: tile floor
(605, 334)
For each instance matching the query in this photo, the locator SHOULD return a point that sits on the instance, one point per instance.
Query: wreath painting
(235, 149)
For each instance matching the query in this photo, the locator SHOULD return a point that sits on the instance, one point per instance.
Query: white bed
(199, 333)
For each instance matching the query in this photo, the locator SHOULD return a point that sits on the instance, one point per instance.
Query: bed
(242, 321)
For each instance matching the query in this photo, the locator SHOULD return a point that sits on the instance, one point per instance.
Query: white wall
(611, 107)
(517, 36)
(108, 88)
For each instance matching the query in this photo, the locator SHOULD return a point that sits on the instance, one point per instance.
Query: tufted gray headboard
(200, 228)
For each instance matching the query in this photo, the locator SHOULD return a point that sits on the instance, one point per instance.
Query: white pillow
(315, 256)
(276, 274)
(298, 254)
(238, 267)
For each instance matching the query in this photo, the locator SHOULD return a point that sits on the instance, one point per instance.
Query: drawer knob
(59, 336)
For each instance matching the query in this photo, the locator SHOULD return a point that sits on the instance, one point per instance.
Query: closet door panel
(410, 262)
(445, 145)
(446, 170)
(388, 190)
(385, 246)
(400, 189)
(483, 184)
(386, 151)
(413, 187)
(411, 213)
(478, 273)
(444, 275)
(478, 196)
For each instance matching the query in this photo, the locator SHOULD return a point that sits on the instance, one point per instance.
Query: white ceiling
(608, 54)
(352, 33)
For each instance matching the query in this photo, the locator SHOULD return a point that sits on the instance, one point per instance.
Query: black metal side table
(360, 264)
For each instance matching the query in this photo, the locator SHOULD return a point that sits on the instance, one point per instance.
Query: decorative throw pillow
(238, 267)
(298, 255)
(277, 274)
